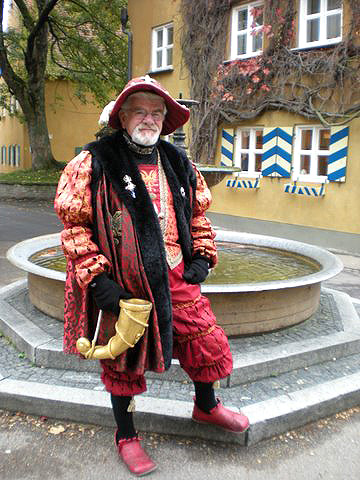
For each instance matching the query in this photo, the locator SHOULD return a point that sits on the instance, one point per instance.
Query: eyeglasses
(141, 114)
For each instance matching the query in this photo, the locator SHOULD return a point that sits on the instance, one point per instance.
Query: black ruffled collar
(136, 148)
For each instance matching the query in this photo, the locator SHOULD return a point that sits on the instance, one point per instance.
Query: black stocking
(123, 418)
(205, 396)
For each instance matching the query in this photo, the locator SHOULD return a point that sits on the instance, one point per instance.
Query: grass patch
(31, 177)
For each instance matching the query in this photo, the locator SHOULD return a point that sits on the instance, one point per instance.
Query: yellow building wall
(145, 15)
(71, 124)
(338, 210)
(12, 132)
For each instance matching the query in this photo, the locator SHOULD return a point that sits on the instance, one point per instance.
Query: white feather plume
(105, 114)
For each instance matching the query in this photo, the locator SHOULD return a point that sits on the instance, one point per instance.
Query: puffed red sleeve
(73, 206)
(201, 229)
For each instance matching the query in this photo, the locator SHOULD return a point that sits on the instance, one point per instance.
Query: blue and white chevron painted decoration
(305, 190)
(268, 161)
(277, 147)
(338, 154)
(227, 147)
(243, 183)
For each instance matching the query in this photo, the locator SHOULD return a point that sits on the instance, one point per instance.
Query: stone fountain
(241, 306)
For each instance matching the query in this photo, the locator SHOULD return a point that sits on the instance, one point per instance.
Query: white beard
(145, 138)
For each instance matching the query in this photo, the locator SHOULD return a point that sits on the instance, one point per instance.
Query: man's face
(143, 119)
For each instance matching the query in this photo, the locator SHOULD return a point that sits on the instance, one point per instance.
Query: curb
(27, 192)
(267, 419)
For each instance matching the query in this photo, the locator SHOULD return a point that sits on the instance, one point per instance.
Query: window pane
(245, 139)
(324, 139)
(333, 4)
(258, 162)
(241, 49)
(160, 38)
(313, 27)
(306, 139)
(242, 20)
(333, 27)
(170, 35)
(158, 59)
(257, 42)
(244, 161)
(322, 165)
(304, 164)
(169, 56)
(259, 140)
(313, 6)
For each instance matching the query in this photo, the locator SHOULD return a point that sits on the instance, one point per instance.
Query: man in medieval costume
(134, 227)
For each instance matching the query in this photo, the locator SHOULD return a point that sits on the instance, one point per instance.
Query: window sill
(245, 57)
(316, 46)
(161, 70)
(309, 179)
(247, 174)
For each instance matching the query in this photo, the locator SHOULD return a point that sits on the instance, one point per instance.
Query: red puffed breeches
(200, 345)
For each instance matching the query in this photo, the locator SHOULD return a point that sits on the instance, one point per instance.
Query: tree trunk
(41, 154)
(40, 148)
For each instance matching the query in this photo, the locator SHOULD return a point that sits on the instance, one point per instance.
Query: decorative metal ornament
(130, 186)
(182, 191)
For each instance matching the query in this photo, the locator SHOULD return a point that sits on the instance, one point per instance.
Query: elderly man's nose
(148, 118)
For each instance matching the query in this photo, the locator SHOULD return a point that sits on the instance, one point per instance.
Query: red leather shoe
(223, 418)
(134, 456)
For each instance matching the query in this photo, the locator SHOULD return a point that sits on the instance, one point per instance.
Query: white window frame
(322, 15)
(251, 151)
(249, 31)
(312, 177)
(163, 49)
(17, 155)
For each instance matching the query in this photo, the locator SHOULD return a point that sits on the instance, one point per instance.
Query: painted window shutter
(268, 161)
(338, 154)
(277, 148)
(227, 147)
(10, 150)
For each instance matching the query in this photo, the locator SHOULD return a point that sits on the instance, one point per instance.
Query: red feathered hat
(176, 114)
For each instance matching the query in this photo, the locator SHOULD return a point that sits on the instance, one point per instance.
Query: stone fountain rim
(331, 265)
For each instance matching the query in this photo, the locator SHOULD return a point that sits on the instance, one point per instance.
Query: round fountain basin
(243, 306)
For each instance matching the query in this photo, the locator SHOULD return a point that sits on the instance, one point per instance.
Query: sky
(6, 14)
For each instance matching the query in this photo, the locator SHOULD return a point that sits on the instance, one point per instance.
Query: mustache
(147, 127)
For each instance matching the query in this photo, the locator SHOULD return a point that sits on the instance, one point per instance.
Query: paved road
(20, 220)
(325, 450)
(30, 449)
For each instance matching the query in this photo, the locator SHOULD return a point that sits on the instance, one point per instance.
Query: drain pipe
(124, 17)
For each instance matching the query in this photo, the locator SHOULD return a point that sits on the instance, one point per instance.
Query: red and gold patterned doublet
(200, 345)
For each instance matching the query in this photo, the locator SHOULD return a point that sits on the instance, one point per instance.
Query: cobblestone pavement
(325, 321)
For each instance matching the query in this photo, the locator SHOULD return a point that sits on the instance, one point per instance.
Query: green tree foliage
(77, 40)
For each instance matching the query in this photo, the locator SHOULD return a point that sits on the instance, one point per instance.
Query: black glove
(197, 271)
(108, 293)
